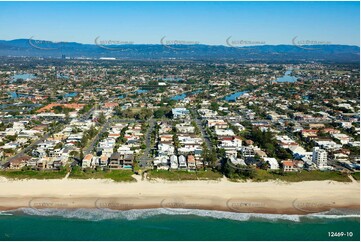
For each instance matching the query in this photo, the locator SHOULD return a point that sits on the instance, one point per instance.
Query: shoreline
(111, 204)
(299, 198)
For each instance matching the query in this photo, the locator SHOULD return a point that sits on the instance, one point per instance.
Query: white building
(319, 157)
(161, 162)
(343, 138)
(182, 162)
(173, 162)
(87, 161)
(180, 112)
(273, 163)
(165, 149)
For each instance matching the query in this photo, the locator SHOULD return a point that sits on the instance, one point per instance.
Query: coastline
(274, 197)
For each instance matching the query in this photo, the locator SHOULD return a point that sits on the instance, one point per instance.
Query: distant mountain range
(259, 53)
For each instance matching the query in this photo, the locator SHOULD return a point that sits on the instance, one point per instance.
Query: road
(90, 147)
(202, 129)
(29, 147)
(145, 160)
(88, 114)
(105, 126)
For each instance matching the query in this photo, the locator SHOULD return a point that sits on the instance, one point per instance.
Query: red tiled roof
(88, 157)
(287, 163)
(65, 105)
(110, 105)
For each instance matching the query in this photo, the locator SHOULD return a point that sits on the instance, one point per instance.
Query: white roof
(273, 162)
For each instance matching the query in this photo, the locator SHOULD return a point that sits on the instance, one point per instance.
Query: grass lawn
(184, 175)
(262, 175)
(356, 176)
(115, 175)
(135, 110)
(18, 174)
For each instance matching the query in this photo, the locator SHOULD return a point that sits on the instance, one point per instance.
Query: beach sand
(245, 197)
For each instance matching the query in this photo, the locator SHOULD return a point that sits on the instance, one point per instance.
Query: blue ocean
(175, 224)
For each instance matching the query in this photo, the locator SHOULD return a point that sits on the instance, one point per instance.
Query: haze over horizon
(210, 23)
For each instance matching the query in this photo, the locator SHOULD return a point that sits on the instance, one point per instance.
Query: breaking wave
(106, 214)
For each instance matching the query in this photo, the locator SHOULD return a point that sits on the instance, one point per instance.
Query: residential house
(87, 161)
(173, 162)
(103, 160)
(121, 161)
(288, 166)
(191, 162)
(19, 162)
(182, 162)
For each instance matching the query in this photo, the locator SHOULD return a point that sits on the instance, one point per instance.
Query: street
(201, 128)
(145, 160)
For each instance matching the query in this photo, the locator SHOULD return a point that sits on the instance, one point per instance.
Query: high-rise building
(319, 157)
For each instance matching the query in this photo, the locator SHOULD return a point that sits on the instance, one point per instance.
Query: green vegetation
(136, 113)
(88, 135)
(10, 138)
(161, 112)
(85, 109)
(184, 175)
(238, 172)
(60, 109)
(115, 175)
(209, 156)
(262, 175)
(267, 142)
(101, 119)
(214, 106)
(31, 174)
(356, 176)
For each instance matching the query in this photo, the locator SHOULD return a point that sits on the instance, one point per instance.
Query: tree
(74, 153)
(214, 106)
(102, 119)
(58, 145)
(11, 137)
(81, 155)
(238, 172)
(143, 114)
(222, 153)
(58, 109)
(91, 132)
(85, 109)
(159, 113)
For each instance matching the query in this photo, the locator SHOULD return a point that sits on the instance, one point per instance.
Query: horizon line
(177, 44)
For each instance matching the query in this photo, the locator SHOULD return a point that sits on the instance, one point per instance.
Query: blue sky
(203, 22)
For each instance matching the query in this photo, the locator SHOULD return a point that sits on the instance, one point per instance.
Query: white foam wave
(4, 213)
(104, 214)
(336, 214)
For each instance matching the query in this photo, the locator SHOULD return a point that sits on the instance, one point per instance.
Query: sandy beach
(250, 197)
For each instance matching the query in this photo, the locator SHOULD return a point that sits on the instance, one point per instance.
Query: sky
(193, 22)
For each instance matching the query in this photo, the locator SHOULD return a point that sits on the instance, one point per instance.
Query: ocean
(173, 224)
